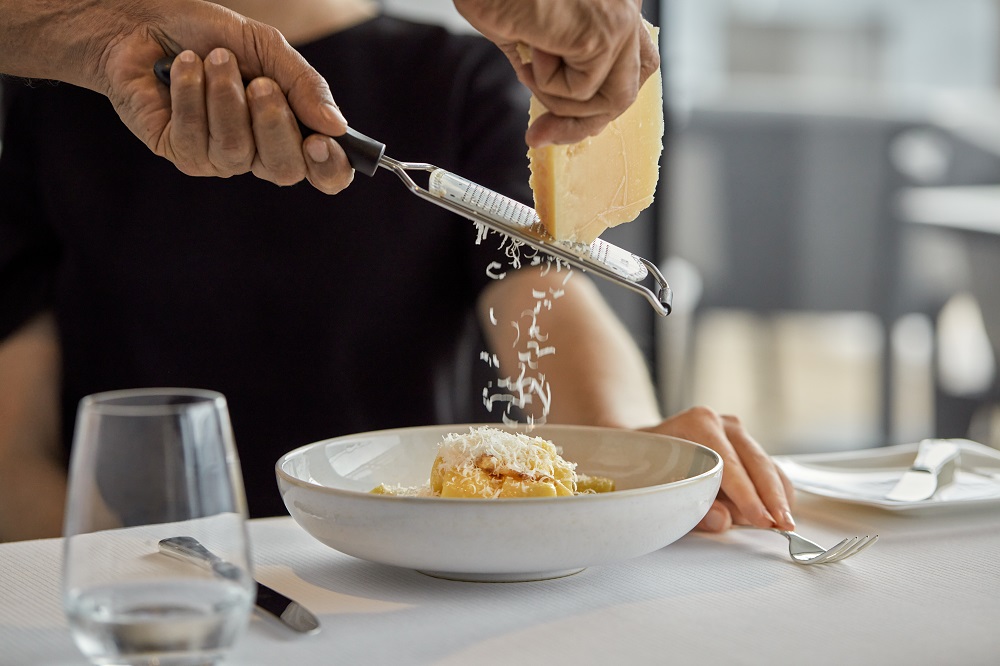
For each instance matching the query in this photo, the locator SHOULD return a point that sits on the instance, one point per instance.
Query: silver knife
(933, 468)
(290, 613)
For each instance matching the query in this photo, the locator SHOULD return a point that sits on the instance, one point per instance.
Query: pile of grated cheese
(490, 463)
(518, 453)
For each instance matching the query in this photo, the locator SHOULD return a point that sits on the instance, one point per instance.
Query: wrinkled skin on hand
(203, 123)
(223, 129)
(754, 490)
(588, 58)
(110, 46)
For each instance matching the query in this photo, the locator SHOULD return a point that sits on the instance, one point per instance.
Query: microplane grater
(516, 220)
(500, 213)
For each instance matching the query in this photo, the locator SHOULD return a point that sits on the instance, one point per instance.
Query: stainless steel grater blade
(510, 217)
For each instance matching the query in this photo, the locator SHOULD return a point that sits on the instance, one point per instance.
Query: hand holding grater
(499, 213)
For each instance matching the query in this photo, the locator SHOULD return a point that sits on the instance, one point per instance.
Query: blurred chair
(675, 336)
(794, 211)
(971, 213)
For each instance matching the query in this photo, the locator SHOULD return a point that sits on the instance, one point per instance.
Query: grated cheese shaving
(483, 461)
(524, 390)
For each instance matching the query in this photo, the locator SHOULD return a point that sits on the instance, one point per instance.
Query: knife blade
(933, 468)
(290, 613)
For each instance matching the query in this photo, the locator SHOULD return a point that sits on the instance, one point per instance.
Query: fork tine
(802, 549)
(844, 553)
(832, 554)
(862, 543)
(870, 542)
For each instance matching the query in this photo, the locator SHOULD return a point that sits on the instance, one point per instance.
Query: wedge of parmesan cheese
(605, 180)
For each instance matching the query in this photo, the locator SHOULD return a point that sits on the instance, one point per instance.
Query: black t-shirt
(315, 315)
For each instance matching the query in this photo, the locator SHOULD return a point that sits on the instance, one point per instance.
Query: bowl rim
(631, 492)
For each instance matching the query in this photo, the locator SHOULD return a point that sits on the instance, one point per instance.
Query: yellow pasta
(491, 463)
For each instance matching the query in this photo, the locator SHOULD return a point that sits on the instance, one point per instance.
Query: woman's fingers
(753, 491)
(764, 474)
(718, 518)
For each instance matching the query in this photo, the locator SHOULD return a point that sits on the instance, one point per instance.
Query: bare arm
(109, 46)
(32, 477)
(597, 377)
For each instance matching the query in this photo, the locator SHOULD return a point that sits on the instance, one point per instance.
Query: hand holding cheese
(605, 180)
(589, 58)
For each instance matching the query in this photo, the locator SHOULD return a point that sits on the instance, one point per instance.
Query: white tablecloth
(927, 593)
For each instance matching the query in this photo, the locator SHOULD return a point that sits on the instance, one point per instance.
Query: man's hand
(588, 58)
(219, 128)
(110, 46)
(202, 123)
(754, 490)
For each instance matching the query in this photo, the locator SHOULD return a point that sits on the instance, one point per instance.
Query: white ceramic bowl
(664, 488)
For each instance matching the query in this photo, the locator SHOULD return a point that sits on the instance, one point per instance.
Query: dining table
(928, 592)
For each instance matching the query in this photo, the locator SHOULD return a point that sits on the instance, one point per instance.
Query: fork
(804, 551)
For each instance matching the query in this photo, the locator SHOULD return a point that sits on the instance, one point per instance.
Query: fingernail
(219, 56)
(186, 56)
(768, 517)
(787, 515)
(318, 151)
(260, 87)
(335, 114)
(714, 520)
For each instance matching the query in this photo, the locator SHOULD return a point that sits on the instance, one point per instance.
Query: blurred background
(831, 205)
(829, 217)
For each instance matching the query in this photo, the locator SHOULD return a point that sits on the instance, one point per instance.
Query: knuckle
(703, 413)
(286, 178)
(186, 77)
(732, 420)
(650, 63)
(620, 16)
(287, 174)
(626, 95)
(333, 186)
(334, 175)
(232, 156)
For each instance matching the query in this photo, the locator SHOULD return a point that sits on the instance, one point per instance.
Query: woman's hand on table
(754, 489)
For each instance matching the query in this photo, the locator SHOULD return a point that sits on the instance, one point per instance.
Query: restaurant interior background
(825, 161)
(829, 217)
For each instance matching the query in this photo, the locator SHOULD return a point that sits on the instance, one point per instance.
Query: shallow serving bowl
(665, 486)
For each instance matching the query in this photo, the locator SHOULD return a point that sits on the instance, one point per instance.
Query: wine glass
(148, 465)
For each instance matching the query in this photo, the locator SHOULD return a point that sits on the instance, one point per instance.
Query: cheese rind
(605, 180)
